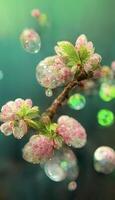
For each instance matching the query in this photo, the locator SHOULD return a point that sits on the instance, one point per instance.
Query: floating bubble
(105, 117)
(104, 159)
(77, 102)
(1, 75)
(107, 92)
(72, 186)
(49, 92)
(62, 165)
(30, 40)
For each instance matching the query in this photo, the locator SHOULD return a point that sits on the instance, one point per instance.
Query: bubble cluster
(105, 117)
(104, 159)
(30, 41)
(62, 165)
(77, 102)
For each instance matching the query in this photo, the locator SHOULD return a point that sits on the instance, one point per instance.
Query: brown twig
(50, 112)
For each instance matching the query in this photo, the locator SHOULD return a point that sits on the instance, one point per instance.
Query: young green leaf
(68, 51)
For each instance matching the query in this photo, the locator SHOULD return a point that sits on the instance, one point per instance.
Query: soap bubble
(104, 159)
(107, 92)
(105, 117)
(30, 41)
(77, 101)
(72, 186)
(62, 165)
(1, 75)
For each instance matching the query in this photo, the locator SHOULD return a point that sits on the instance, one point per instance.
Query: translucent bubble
(77, 102)
(1, 75)
(49, 92)
(105, 117)
(107, 92)
(30, 41)
(72, 186)
(104, 159)
(62, 165)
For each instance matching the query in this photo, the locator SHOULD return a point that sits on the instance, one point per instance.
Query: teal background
(68, 19)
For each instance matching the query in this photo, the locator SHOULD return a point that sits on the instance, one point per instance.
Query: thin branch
(50, 112)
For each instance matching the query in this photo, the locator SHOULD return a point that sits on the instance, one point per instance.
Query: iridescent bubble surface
(62, 165)
(77, 102)
(104, 160)
(105, 117)
(30, 41)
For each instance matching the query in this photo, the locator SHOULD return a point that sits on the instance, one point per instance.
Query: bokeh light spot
(105, 117)
(77, 102)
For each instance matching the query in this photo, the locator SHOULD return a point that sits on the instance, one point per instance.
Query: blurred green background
(68, 19)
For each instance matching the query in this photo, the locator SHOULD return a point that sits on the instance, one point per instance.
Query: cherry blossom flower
(72, 131)
(52, 72)
(89, 59)
(13, 115)
(38, 149)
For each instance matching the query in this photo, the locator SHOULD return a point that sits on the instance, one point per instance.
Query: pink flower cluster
(71, 131)
(52, 72)
(41, 147)
(13, 114)
(93, 60)
(38, 149)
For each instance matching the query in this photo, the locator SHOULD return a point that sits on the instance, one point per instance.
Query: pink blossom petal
(81, 40)
(28, 102)
(6, 128)
(19, 102)
(20, 130)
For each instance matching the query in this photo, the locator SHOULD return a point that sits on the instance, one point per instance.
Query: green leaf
(84, 54)
(68, 51)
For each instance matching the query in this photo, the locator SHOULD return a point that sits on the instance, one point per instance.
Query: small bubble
(1, 75)
(72, 186)
(30, 41)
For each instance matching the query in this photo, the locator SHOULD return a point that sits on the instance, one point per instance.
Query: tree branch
(50, 112)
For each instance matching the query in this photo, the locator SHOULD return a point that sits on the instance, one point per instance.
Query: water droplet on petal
(77, 101)
(49, 92)
(30, 40)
